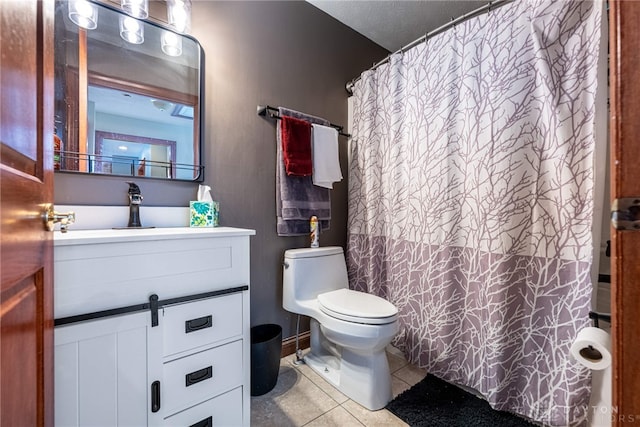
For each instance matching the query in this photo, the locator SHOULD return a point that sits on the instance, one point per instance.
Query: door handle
(625, 213)
(51, 217)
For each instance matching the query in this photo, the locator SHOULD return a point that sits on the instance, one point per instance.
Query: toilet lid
(359, 307)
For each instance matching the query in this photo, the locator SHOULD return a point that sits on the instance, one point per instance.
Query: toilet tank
(311, 271)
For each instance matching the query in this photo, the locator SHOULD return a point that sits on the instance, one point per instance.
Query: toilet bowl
(349, 329)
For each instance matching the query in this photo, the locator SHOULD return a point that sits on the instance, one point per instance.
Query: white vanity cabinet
(101, 372)
(174, 349)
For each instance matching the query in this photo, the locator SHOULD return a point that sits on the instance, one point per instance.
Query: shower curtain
(470, 201)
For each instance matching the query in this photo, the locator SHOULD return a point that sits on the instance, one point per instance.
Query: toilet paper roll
(592, 348)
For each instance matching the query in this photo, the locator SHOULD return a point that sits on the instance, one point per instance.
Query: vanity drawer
(200, 323)
(200, 376)
(224, 410)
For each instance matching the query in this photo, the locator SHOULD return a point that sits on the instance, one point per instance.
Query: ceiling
(393, 23)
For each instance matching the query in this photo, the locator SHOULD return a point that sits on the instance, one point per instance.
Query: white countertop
(85, 237)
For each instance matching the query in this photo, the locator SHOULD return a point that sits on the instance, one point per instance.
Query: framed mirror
(127, 97)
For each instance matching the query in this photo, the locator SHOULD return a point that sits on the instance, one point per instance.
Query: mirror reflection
(127, 97)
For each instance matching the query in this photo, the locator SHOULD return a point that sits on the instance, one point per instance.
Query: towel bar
(264, 110)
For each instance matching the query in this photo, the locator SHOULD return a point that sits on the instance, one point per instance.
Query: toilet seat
(357, 307)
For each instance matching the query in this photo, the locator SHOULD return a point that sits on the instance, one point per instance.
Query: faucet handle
(133, 187)
(135, 197)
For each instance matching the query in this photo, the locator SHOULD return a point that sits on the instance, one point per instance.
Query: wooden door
(625, 182)
(26, 183)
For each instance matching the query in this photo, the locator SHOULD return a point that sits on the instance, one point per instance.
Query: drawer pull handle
(197, 324)
(155, 396)
(197, 376)
(207, 422)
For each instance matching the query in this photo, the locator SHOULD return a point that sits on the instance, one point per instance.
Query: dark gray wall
(278, 53)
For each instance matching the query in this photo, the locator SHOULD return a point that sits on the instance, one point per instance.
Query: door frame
(624, 46)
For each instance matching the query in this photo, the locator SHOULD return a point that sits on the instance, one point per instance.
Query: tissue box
(203, 214)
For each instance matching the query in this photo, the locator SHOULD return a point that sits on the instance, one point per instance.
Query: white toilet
(349, 329)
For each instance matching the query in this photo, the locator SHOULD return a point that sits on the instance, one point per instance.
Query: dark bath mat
(435, 403)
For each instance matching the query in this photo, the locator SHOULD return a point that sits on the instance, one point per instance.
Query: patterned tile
(398, 386)
(395, 351)
(381, 418)
(294, 401)
(396, 361)
(301, 397)
(334, 418)
(410, 374)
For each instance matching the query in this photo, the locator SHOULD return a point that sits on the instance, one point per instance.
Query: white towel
(324, 156)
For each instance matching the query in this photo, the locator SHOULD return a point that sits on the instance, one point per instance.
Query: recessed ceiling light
(123, 147)
(161, 104)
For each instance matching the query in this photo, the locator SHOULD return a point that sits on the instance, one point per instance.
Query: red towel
(296, 146)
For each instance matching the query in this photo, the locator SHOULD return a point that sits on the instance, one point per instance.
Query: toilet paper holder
(595, 316)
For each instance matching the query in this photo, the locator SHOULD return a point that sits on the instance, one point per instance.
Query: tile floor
(303, 398)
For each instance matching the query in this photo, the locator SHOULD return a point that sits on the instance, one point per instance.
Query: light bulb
(179, 13)
(131, 30)
(171, 43)
(136, 8)
(83, 14)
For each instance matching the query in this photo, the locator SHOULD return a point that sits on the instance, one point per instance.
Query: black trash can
(266, 346)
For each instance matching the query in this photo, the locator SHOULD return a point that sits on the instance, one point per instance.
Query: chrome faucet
(135, 199)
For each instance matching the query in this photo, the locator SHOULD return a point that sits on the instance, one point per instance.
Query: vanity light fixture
(136, 8)
(83, 14)
(171, 43)
(179, 14)
(131, 30)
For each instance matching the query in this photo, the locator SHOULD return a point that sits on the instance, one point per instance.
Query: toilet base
(328, 367)
(364, 378)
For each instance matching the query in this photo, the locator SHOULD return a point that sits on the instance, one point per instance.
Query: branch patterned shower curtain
(471, 201)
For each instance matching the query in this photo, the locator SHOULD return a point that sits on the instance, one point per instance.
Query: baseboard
(289, 344)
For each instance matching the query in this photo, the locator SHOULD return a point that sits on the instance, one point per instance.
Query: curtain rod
(479, 11)
(263, 110)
